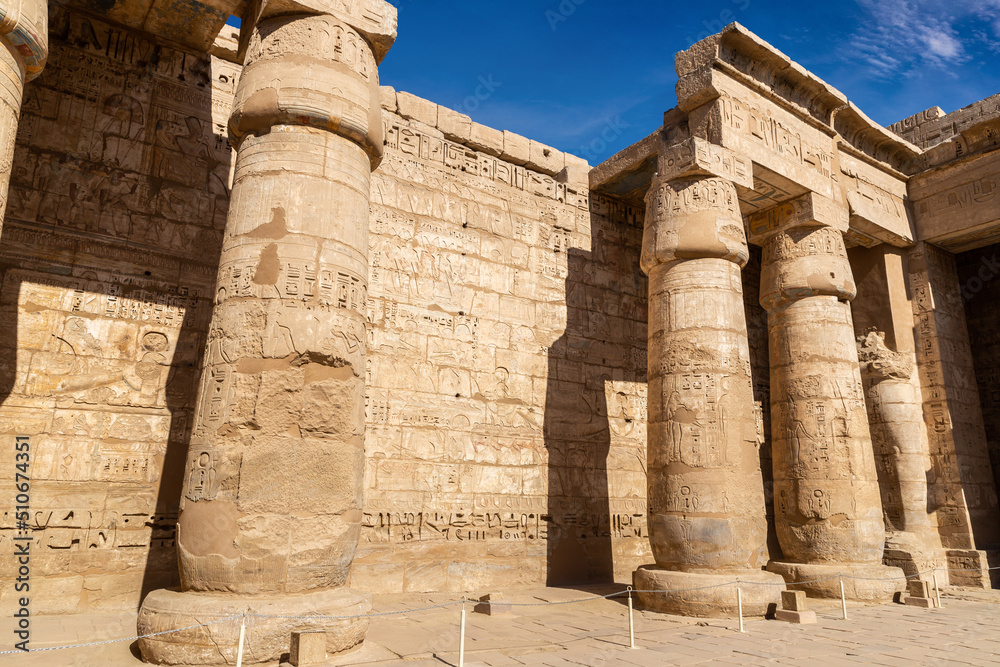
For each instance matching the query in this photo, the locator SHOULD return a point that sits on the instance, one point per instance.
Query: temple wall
(118, 196)
(506, 394)
(960, 484)
(506, 381)
(506, 343)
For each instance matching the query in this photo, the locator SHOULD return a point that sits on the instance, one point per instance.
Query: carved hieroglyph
(901, 455)
(707, 520)
(826, 494)
(24, 46)
(272, 501)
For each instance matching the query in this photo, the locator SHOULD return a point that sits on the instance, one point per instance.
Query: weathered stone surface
(417, 108)
(439, 371)
(655, 588)
(544, 158)
(272, 501)
(267, 639)
(827, 501)
(486, 139)
(308, 648)
(455, 126)
(516, 149)
(703, 435)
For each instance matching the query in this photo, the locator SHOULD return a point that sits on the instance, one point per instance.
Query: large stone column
(707, 520)
(271, 510)
(827, 505)
(24, 34)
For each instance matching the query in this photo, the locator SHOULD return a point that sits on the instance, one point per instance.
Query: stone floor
(966, 631)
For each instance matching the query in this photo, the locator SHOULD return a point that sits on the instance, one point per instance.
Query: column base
(267, 639)
(717, 602)
(875, 582)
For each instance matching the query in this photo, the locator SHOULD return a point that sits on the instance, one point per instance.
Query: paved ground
(966, 631)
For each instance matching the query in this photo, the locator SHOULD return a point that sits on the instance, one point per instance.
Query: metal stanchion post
(937, 591)
(631, 626)
(243, 633)
(843, 598)
(461, 640)
(739, 605)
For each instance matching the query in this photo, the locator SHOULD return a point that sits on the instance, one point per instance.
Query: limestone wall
(506, 401)
(118, 196)
(506, 396)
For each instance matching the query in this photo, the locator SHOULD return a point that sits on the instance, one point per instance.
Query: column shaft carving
(24, 47)
(706, 500)
(827, 507)
(271, 510)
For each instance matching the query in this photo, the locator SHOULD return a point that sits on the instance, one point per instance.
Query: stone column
(707, 520)
(271, 509)
(24, 33)
(826, 495)
(895, 415)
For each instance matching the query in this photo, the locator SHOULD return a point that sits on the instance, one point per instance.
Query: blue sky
(591, 77)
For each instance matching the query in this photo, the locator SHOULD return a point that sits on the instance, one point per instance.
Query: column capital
(692, 217)
(377, 20)
(310, 70)
(25, 25)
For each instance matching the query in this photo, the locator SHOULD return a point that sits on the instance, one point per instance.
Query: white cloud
(899, 37)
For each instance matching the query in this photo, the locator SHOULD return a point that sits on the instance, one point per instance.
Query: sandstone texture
(281, 337)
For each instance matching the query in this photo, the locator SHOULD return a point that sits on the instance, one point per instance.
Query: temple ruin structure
(282, 338)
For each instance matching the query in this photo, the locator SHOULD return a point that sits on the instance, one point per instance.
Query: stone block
(793, 600)
(307, 648)
(575, 172)
(516, 149)
(544, 158)
(455, 126)
(486, 139)
(918, 589)
(924, 603)
(412, 107)
(387, 97)
(801, 617)
(492, 604)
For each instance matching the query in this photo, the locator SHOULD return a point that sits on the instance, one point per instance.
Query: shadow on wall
(602, 346)
(108, 259)
(578, 439)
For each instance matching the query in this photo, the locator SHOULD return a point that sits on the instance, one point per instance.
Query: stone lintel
(877, 201)
(740, 55)
(628, 173)
(868, 219)
(957, 206)
(376, 20)
(698, 157)
(809, 210)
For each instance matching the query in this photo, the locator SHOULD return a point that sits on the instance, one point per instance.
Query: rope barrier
(126, 639)
(626, 591)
